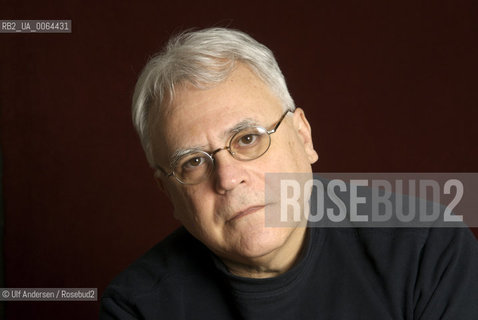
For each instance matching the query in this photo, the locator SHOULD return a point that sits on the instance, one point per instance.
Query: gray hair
(203, 58)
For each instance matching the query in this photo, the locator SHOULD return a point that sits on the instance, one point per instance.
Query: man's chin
(257, 243)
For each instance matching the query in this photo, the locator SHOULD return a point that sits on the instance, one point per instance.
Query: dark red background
(388, 86)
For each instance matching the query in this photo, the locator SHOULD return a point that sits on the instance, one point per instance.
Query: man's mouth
(245, 212)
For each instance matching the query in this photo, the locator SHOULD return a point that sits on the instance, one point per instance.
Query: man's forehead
(222, 121)
(196, 117)
(216, 127)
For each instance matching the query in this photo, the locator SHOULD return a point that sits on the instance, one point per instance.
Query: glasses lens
(250, 143)
(193, 168)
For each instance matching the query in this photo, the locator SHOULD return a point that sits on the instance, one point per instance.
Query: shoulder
(416, 237)
(176, 272)
(430, 271)
(178, 256)
(414, 249)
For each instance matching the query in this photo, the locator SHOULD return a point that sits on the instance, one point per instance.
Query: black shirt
(344, 273)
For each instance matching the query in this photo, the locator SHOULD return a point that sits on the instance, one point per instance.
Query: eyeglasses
(247, 144)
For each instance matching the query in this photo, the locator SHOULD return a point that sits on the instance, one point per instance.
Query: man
(214, 116)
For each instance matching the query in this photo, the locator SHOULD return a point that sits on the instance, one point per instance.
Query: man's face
(226, 211)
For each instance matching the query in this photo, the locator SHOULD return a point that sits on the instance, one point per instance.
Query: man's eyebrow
(245, 123)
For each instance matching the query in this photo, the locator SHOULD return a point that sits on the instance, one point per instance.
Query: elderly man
(214, 116)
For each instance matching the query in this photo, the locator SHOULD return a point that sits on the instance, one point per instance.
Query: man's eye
(194, 162)
(247, 140)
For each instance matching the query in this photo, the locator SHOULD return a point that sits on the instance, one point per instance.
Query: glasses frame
(228, 148)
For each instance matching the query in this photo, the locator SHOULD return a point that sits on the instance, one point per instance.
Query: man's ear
(305, 134)
(160, 182)
(164, 189)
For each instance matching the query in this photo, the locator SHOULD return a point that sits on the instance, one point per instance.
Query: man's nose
(229, 172)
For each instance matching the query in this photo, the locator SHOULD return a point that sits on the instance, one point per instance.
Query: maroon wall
(388, 86)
